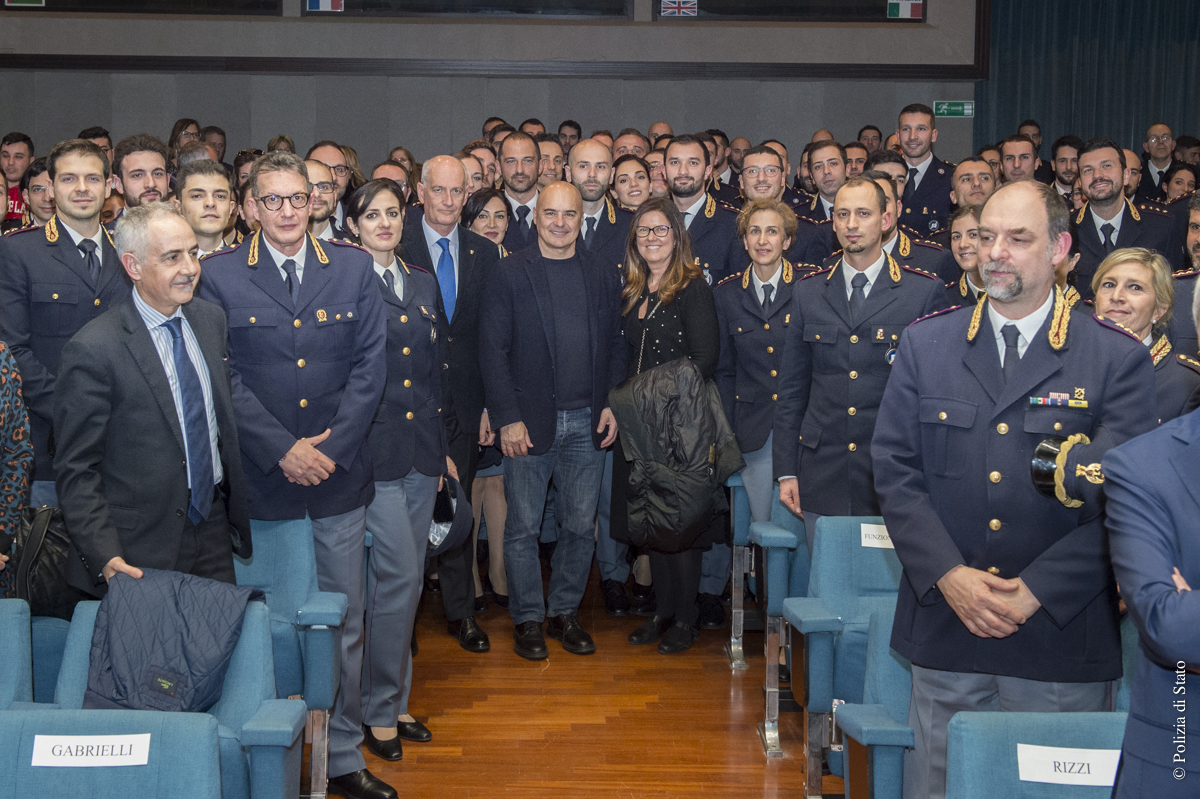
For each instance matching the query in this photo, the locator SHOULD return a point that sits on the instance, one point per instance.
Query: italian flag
(904, 9)
(332, 5)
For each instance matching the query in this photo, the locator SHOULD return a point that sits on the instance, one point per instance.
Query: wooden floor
(625, 723)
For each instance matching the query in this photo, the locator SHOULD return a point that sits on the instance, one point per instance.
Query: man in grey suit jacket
(148, 468)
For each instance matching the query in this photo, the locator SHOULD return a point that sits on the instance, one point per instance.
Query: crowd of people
(203, 347)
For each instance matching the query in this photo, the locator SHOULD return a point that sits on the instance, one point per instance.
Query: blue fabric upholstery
(785, 556)
(183, 762)
(981, 757)
(16, 658)
(740, 505)
(49, 637)
(285, 569)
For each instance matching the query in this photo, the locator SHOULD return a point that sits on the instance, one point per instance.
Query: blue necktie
(445, 276)
(195, 424)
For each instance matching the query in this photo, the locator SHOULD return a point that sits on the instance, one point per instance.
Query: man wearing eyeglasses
(1160, 151)
(331, 155)
(763, 178)
(324, 202)
(307, 355)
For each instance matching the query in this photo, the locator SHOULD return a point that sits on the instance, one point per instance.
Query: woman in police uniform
(408, 451)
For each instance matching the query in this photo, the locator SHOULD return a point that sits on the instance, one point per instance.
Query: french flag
(325, 5)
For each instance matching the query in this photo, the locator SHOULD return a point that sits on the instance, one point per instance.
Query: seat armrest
(809, 615)
(323, 608)
(278, 722)
(871, 725)
(766, 534)
(33, 706)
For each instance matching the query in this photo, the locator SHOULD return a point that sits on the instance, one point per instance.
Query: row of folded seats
(832, 616)
(281, 680)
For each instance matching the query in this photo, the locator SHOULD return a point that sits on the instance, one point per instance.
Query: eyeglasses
(273, 202)
(1159, 139)
(249, 153)
(341, 170)
(325, 188)
(661, 231)
(769, 171)
(37, 191)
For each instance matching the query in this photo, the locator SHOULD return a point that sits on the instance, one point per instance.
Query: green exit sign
(954, 108)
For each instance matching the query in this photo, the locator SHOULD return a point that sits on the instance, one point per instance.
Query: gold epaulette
(744, 276)
(1060, 318)
(1152, 207)
(1180, 273)
(935, 313)
(1160, 350)
(819, 271)
(1072, 296)
(976, 318)
(52, 229)
(1189, 362)
(17, 230)
(729, 206)
(1116, 326)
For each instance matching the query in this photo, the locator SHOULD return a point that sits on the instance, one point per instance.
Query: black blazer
(46, 296)
(121, 463)
(464, 383)
(516, 344)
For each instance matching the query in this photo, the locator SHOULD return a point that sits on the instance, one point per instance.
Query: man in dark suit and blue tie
(148, 463)
(53, 281)
(927, 191)
(308, 360)
(519, 159)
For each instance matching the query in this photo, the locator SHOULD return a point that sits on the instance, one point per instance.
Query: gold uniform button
(894, 337)
(303, 403)
(854, 375)
(854, 339)
(770, 349)
(339, 316)
(774, 373)
(406, 350)
(852, 411)
(97, 302)
(252, 320)
(818, 338)
(766, 326)
(774, 397)
(1002, 428)
(408, 384)
(993, 570)
(296, 323)
(942, 416)
(408, 415)
(54, 296)
(994, 477)
(404, 319)
(300, 363)
(853, 447)
(994, 524)
(1058, 425)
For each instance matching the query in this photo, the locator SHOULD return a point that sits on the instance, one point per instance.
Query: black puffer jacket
(683, 450)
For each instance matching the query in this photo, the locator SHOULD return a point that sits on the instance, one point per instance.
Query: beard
(684, 187)
(1100, 191)
(991, 273)
(591, 194)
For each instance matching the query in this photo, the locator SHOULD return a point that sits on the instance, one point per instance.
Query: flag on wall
(325, 5)
(677, 8)
(905, 9)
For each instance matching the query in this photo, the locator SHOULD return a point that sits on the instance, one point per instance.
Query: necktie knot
(445, 243)
(1012, 353)
(390, 279)
(1011, 335)
(857, 296)
(292, 279)
(289, 266)
(91, 259)
(87, 246)
(1108, 229)
(174, 325)
(522, 214)
(858, 281)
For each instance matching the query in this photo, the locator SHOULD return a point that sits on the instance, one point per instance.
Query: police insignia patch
(321, 315)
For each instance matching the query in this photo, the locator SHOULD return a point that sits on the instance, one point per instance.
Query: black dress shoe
(575, 639)
(433, 585)
(528, 641)
(470, 635)
(651, 631)
(501, 600)
(481, 603)
(712, 613)
(643, 602)
(414, 731)
(678, 639)
(388, 750)
(616, 601)
(361, 784)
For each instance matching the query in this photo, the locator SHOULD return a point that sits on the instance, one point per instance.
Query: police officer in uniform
(307, 336)
(1182, 330)
(926, 195)
(1003, 578)
(711, 226)
(53, 281)
(846, 322)
(605, 229)
(813, 241)
(827, 164)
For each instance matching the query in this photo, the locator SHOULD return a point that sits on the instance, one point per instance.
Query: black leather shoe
(643, 602)
(501, 600)
(616, 601)
(712, 613)
(433, 585)
(388, 750)
(678, 639)
(361, 785)
(528, 641)
(481, 603)
(470, 635)
(575, 639)
(651, 631)
(414, 731)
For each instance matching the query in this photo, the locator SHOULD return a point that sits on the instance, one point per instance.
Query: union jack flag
(677, 8)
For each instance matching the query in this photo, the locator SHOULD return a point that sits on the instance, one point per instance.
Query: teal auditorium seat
(16, 677)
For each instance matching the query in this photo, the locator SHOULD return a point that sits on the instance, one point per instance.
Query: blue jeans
(610, 554)
(576, 466)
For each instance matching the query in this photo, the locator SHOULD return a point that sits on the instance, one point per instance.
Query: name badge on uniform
(321, 315)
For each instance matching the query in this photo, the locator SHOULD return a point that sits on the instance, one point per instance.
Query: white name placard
(1062, 766)
(876, 536)
(90, 751)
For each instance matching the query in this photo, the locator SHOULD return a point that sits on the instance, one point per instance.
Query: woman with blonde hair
(1134, 289)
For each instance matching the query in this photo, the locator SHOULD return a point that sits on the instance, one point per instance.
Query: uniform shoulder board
(344, 243)
(1116, 326)
(1184, 198)
(736, 276)
(728, 206)
(919, 271)
(953, 166)
(817, 270)
(930, 244)
(1151, 207)
(1189, 362)
(935, 313)
(224, 249)
(409, 266)
(1179, 274)
(15, 231)
(835, 254)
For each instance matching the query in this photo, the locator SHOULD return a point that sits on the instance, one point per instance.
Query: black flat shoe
(501, 600)
(642, 600)
(414, 731)
(678, 639)
(481, 603)
(433, 585)
(712, 613)
(616, 601)
(388, 750)
(361, 784)
(528, 641)
(470, 635)
(575, 639)
(651, 631)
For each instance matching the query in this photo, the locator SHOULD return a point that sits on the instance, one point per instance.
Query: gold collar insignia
(321, 256)
(1060, 318)
(710, 207)
(52, 229)
(788, 271)
(1160, 350)
(905, 245)
(893, 269)
(612, 211)
(253, 259)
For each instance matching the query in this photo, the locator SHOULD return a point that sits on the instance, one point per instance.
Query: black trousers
(676, 582)
(205, 549)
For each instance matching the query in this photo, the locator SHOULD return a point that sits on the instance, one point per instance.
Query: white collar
(1115, 222)
(1027, 326)
(921, 168)
(279, 257)
(694, 209)
(78, 237)
(773, 282)
(872, 273)
(432, 237)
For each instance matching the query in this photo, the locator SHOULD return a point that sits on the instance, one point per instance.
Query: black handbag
(43, 551)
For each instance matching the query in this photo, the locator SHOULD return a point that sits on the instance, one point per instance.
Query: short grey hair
(133, 228)
(426, 168)
(277, 161)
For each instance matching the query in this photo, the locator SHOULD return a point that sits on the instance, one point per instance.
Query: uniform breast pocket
(336, 329)
(884, 339)
(255, 335)
(822, 339)
(53, 307)
(945, 435)
(1053, 420)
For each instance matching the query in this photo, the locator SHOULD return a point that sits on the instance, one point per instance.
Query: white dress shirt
(921, 168)
(1027, 327)
(432, 237)
(773, 283)
(694, 209)
(872, 273)
(394, 268)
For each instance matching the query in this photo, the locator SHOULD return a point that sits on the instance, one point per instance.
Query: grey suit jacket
(121, 467)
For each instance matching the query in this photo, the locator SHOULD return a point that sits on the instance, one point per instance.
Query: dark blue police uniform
(1176, 380)
(927, 208)
(923, 256)
(715, 243)
(608, 242)
(1146, 224)
(1181, 330)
